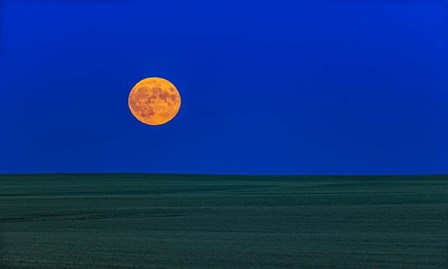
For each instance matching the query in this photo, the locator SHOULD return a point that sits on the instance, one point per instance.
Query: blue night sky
(297, 87)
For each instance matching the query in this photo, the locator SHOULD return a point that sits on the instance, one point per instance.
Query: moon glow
(154, 101)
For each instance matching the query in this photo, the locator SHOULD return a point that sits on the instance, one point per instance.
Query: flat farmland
(200, 221)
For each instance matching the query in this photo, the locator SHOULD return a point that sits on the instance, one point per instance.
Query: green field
(188, 221)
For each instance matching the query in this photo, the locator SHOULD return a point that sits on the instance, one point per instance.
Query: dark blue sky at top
(296, 87)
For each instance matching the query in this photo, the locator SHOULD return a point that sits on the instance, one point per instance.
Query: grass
(192, 221)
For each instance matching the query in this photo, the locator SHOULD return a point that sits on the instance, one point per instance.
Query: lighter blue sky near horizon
(295, 87)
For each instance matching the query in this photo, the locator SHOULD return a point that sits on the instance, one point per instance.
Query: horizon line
(213, 174)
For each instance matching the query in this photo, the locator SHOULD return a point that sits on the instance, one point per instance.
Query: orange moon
(154, 101)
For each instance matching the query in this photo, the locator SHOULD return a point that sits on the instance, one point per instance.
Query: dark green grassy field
(187, 221)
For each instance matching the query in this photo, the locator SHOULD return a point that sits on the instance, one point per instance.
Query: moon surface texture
(154, 101)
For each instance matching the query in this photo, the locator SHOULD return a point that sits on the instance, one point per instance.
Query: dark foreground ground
(184, 221)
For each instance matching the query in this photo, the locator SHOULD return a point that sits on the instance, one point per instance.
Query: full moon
(154, 101)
